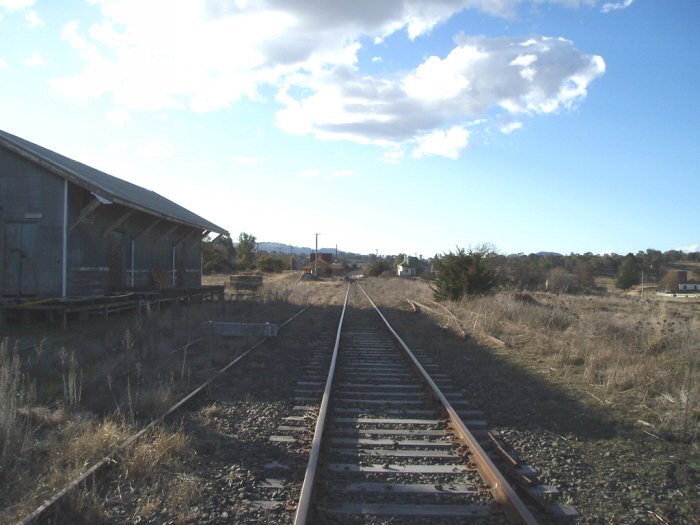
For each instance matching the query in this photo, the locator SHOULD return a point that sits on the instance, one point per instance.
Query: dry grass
(155, 463)
(159, 449)
(175, 496)
(644, 355)
(67, 399)
(104, 379)
(17, 395)
(645, 351)
(211, 412)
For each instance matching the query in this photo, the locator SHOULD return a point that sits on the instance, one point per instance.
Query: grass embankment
(69, 398)
(643, 355)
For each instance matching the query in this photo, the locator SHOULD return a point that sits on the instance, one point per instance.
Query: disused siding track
(42, 513)
(395, 447)
(391, 445)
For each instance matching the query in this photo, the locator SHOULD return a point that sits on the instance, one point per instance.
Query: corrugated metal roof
(106, 186)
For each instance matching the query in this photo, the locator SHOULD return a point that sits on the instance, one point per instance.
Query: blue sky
(401, 126)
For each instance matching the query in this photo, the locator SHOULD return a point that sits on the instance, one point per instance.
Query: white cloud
(34, 19)
(246, 160)
(15, 5)
(36, 59)
(691, 248)
(478, 76)
(118, 117)
(157, 148)
(394, 155)
(117, 147)
(377, 60)
(339, 174)
(3, 64)
(206, 55)
(615, 6)
(445, 143)
(443, 79)
(510, 127)
(160, 55)
(310, 174)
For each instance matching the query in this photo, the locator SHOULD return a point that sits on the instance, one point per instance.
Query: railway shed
(68, 230)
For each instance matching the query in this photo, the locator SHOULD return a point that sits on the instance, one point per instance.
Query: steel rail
(307, 488)
(109, 459)
(513, 507)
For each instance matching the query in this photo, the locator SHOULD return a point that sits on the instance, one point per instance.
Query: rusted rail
(51, 502)
(513, 506)
(306, 495)
(510, 505)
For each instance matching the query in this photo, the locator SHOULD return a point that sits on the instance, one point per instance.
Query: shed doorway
(19, 258)
(116, 260)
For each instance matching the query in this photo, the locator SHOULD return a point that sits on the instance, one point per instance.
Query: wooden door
(116, 260)
(20, 259)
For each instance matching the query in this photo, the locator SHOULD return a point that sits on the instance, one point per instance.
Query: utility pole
(316, 256)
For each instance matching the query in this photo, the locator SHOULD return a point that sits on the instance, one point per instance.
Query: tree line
(221, 256)
(481, 269)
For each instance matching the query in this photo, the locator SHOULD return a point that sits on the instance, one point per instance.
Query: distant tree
(275, 263)
(584, 275)
(627, 275)
(379, 267)
(559, 280)
(245, 258)
(673, 255)
(653, 261)
(218, 255)
(463, 273)
(526, 272)
(670, 281)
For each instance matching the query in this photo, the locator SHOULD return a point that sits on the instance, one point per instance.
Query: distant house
(407, 268)
(685, 284)
(412, 267)
(67, 229)
(689, 286)
(323, 265)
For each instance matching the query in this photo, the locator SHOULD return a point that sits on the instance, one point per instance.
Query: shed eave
(97, 189)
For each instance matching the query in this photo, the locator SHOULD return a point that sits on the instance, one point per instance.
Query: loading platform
(82, 308)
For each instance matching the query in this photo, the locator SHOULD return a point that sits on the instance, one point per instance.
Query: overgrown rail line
(41, 512)
(391, 443)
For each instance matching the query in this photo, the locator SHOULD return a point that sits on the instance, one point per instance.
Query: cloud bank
(206, 55)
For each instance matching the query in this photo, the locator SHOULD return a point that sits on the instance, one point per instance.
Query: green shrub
(463, 273)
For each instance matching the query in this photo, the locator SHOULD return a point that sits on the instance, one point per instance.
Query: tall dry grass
(648, 352)
(641, 354)
(67, 401)
(17, 395)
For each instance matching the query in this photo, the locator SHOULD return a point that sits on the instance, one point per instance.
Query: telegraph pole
(316, 257)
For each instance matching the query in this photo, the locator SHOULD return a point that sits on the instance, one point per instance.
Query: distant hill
(279, 247)
(541, 254)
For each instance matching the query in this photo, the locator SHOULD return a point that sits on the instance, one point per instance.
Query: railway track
(391, 444)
